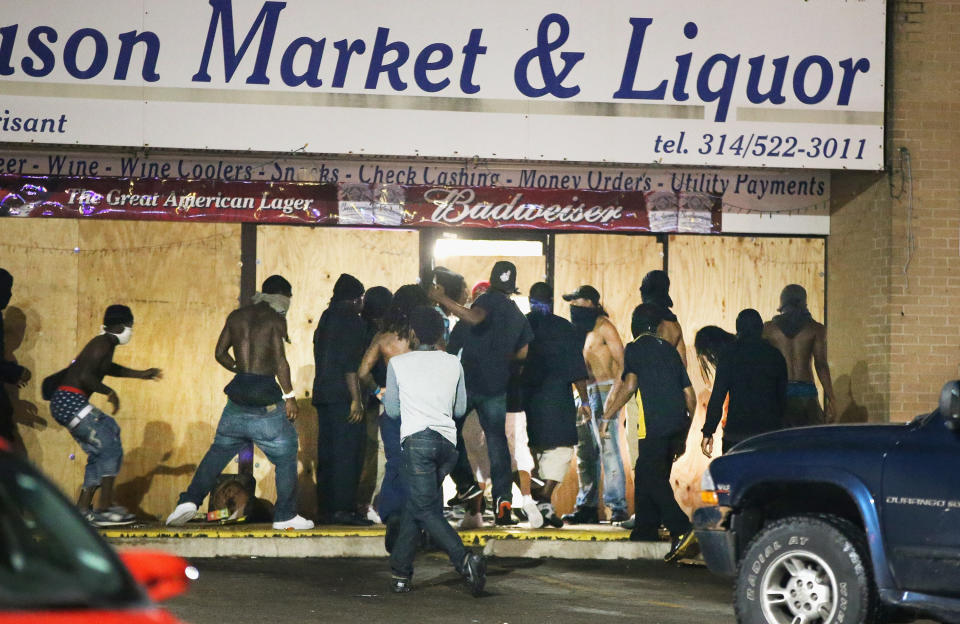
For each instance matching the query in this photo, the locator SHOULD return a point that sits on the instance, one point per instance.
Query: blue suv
(840, 524)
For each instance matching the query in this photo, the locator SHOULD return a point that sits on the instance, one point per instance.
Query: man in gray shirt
(425, 390)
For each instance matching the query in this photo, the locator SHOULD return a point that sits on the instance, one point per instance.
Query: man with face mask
(598, 447)
(258, 409)
(98, 433)
(10, 372)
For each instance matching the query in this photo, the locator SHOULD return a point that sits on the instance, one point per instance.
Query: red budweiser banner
(381, 205)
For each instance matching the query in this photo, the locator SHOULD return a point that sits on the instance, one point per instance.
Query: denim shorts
(97, 433)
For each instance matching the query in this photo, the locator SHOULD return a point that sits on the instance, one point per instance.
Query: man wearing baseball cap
(498, 336)
(598, 446)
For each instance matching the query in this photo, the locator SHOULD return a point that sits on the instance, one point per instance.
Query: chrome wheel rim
(799, 588)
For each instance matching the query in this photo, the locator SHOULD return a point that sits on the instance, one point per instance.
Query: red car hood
(150, 615)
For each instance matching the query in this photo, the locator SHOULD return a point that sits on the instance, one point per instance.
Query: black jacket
(754, 373)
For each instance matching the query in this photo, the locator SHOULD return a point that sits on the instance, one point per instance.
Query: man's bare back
(386, 345)
(808, 346)
(799, 350)
(255, 333)
(673, 333)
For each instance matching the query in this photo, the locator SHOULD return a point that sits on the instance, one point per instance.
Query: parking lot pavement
(297, 591)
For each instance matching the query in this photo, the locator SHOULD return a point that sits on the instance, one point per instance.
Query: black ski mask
(584, 318)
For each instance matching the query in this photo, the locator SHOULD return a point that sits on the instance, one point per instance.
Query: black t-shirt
(661, 378)
(489, 348)
(554, 361)
(338, 346)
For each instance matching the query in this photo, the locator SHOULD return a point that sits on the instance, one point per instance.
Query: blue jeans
(492, 413)
(595, 454)
(269, 429)
(97, 433)
(427, 457)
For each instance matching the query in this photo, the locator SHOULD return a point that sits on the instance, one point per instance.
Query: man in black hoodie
(754, 373)
(800, 338)
(338, 345)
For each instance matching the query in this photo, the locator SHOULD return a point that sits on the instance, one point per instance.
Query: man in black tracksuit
(666, 402)
(754, 373)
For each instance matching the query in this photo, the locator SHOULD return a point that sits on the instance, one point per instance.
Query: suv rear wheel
(806, 570)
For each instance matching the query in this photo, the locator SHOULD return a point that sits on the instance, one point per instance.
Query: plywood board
(312, 259)
(41, 329)
(181, 280)
(712, 280)
(613, 264)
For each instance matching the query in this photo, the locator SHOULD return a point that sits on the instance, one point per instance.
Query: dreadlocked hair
(404, 301)
(709, 344)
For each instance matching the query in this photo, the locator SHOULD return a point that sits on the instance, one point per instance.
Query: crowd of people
(407, 367)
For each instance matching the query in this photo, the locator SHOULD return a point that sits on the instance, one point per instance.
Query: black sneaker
(583, 515)
(685, 545)
(505, 513)
(475, 572)
(400, 585)
(619, 517)
(112, 517)
(350, 519)
(549, 515)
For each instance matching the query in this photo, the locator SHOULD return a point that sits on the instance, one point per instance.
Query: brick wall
(894, 252)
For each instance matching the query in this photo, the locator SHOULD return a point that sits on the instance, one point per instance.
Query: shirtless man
(799, 338)
(392, 341)
(97, 433)
(655, 290)
(258, 410)
(598, 444)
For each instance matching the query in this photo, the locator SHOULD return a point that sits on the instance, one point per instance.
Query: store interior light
(447, 247)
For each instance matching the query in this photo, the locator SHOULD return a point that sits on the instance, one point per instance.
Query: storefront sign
(753, 201)
(381, 205)
(787, 84)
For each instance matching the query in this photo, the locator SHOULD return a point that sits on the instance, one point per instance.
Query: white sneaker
(533, 512)
(373, 516)
(183, 514)
(296, 523)
(472, 521)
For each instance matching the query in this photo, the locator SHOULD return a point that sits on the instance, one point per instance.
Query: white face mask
(123, 337)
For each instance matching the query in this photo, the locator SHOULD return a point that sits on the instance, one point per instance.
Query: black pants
(653, 497)
(340, 446)
(8, 429)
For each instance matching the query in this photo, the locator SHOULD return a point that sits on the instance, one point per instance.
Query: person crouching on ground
(425, 390)
(652, 368)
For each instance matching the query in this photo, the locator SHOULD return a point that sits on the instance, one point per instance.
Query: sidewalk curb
(252, 541)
